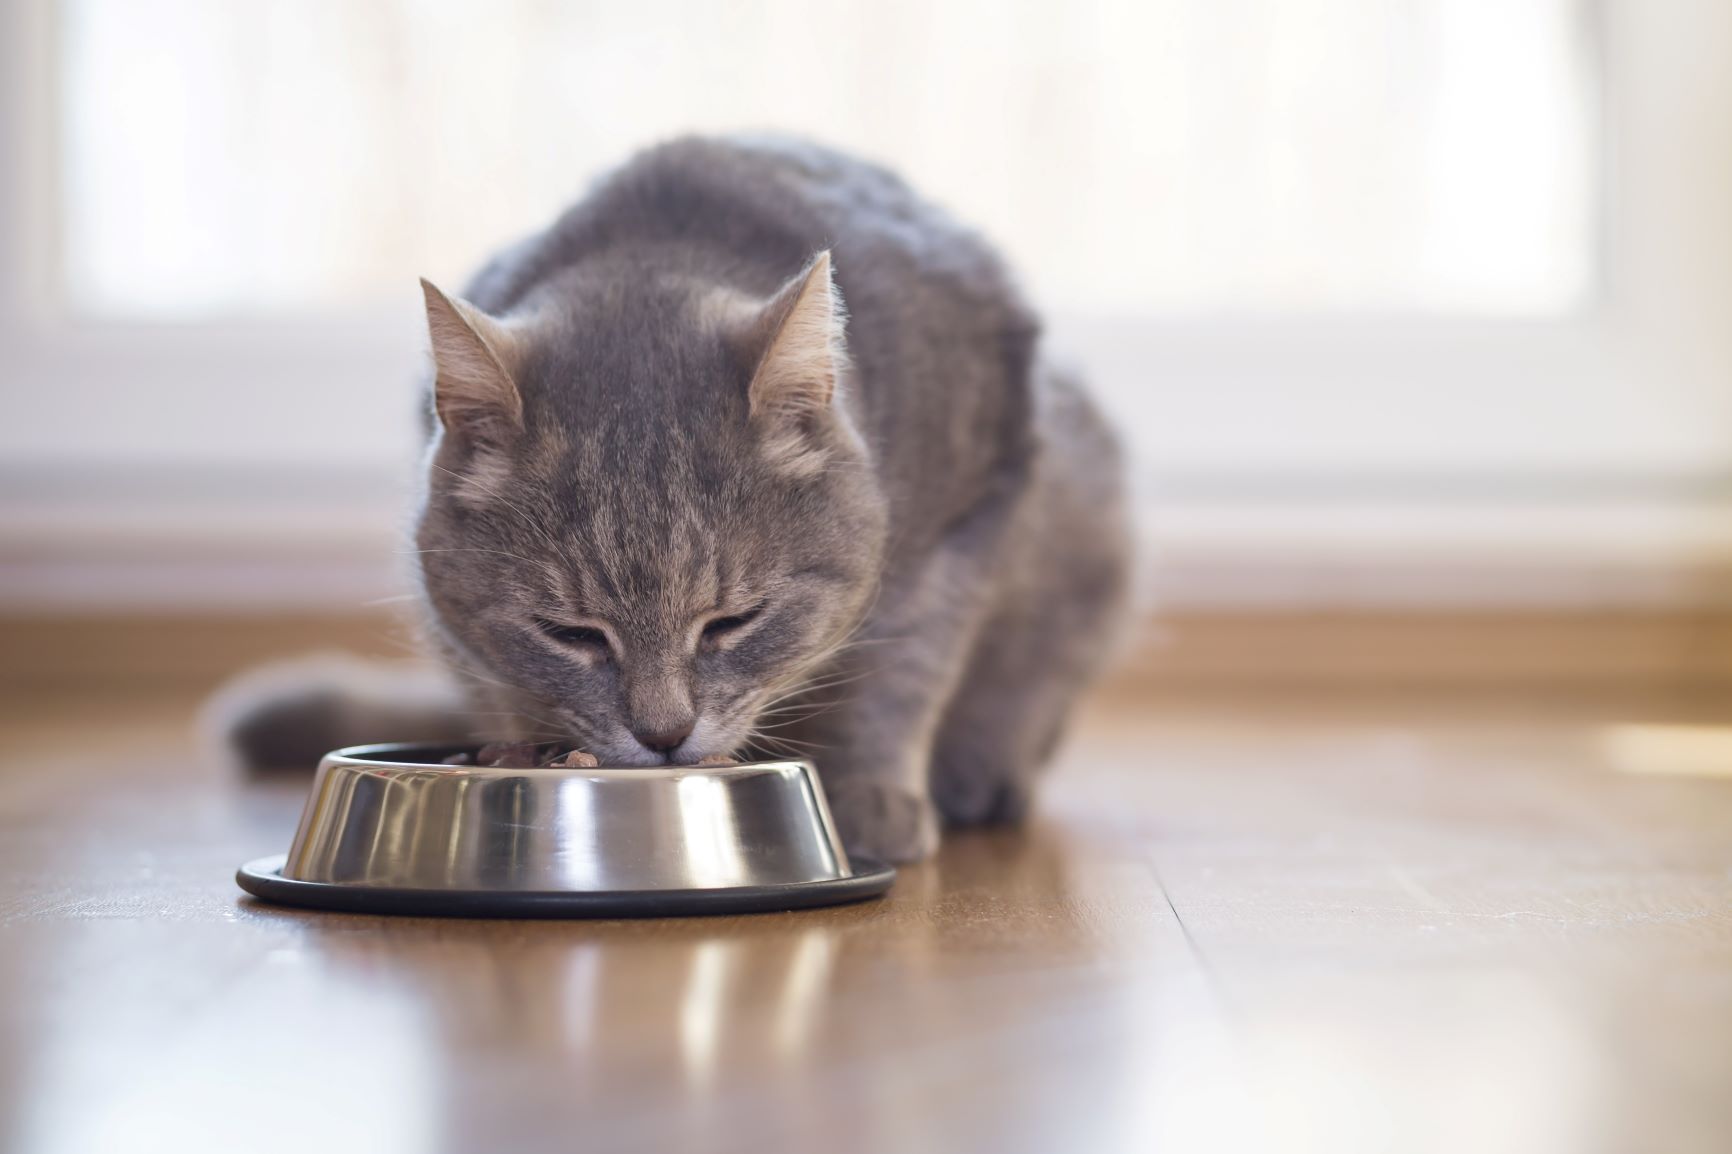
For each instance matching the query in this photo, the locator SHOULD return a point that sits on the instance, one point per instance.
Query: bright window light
(1136, 157)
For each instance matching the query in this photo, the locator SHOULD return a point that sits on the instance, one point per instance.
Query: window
(1136, 156)
(1452, 266)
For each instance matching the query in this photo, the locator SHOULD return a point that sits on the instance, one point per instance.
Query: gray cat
(681, 502)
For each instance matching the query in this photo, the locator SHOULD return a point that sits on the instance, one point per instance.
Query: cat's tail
(289, 714)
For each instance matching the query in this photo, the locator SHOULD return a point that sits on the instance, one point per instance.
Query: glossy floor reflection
(1248, 924)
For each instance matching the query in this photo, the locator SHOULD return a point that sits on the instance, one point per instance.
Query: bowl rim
(263, 879)
(366, 757)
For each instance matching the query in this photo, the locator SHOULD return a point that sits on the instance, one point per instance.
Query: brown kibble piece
(717, 762)
(509, 755)
(574, 759)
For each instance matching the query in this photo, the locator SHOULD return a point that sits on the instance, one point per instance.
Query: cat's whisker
(863, 642)
(465, 549)
(774, 743)
(473, 674)
(784, 749)
(480, 678)
(818, 687)
(393, 599)
(517, 713)
(518, 694)
(811, 677)
(799, 709)
(802, 704)
(783, 724)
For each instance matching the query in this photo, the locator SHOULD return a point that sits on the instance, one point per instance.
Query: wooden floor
(1253, 923)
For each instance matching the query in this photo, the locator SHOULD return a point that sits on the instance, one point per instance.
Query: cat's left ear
(473, 359)
(796, 390)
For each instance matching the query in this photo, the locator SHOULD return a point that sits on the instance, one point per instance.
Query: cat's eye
(575, 635)
(719, 627)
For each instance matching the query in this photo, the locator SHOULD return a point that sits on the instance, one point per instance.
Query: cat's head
(647, 509)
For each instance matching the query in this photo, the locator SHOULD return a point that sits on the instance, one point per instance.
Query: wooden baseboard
(176, 651)
(1346, 648)
(1652, 650)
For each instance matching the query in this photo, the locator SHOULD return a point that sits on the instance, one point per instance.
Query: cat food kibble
(533, 755)
(509, 755)
(526, 755)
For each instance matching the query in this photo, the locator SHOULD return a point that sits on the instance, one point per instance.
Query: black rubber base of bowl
(262, 879)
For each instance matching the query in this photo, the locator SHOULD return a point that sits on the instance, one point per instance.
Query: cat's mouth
(707, 741)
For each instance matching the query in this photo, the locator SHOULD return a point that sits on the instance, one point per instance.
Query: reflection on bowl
(391, 816)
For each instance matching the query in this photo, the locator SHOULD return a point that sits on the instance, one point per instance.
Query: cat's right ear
(473, 360)
(795, 396)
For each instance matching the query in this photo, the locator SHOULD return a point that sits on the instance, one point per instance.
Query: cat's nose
(664, 739)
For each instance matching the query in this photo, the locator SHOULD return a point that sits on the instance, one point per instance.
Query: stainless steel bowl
(387, 828)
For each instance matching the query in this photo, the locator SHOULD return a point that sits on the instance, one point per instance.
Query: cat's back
(761, 206)
(941, 341)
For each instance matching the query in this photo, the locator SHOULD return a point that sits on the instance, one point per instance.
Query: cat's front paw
(885, 822)
(978, 800)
